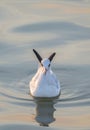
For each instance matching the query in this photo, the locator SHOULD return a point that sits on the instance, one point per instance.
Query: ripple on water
(23, 127)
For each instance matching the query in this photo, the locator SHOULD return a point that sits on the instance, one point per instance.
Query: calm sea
(61, 26)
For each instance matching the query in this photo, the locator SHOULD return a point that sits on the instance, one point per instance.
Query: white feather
(44, 83)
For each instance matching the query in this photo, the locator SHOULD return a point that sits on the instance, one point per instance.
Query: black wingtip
(51, 56)
(34, 50)
(37, 55)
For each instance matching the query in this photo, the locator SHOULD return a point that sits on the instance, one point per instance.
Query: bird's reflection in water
(45, 111)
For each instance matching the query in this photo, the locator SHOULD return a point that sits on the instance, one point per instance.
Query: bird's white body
(44, 83)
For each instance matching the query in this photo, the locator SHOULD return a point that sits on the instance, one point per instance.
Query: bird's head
(46, 62)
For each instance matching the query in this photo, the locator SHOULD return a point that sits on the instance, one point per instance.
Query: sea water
(61, 26)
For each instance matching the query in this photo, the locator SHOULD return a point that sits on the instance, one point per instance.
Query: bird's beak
(45, 70)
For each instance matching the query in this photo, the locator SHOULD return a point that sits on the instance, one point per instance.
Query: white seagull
(44, 84)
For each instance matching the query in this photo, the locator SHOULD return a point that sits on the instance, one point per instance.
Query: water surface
(47, 26)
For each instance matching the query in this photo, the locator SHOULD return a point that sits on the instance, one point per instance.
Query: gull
(44, 83)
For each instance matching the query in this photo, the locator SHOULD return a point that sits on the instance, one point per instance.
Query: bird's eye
(49, 65)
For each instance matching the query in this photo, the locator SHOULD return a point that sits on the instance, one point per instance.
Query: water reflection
(45, 112)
